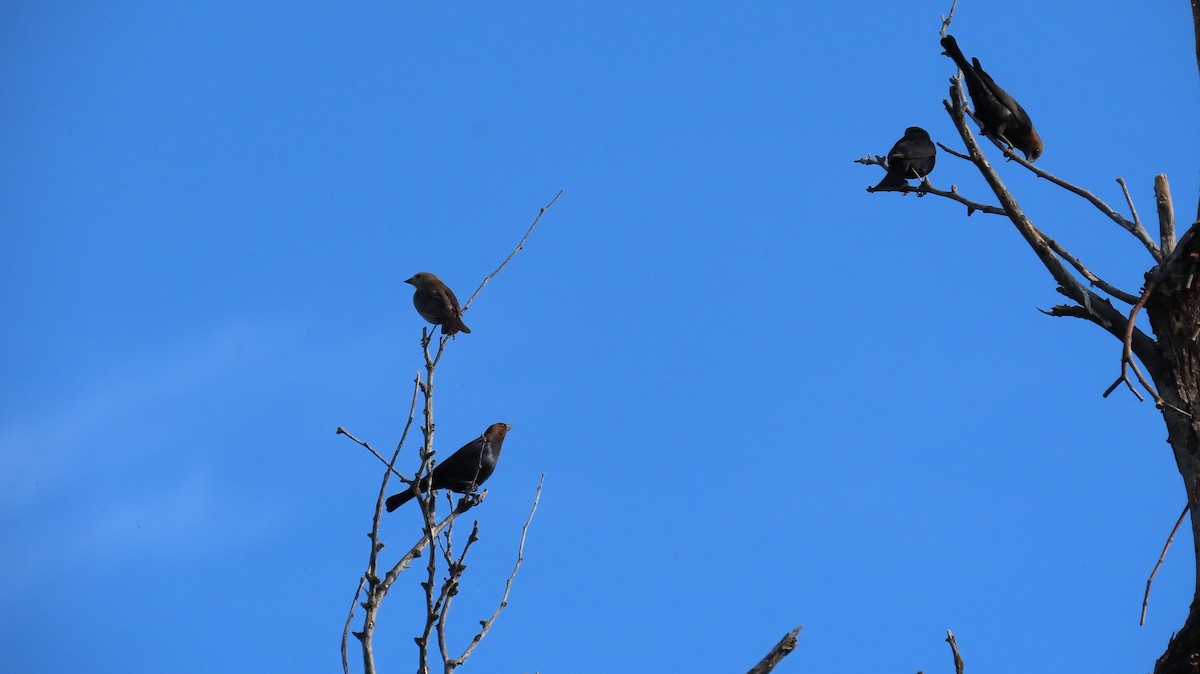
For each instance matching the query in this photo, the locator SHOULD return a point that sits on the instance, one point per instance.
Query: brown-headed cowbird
(912, 156)
(437, 304)
(999, 114)
(463, 470)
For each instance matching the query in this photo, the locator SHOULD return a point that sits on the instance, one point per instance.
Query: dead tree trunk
(1173, 307)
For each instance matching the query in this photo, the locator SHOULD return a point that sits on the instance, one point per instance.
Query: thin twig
(952, 151)
(1137, 221)
(375, 587)
(948, 18)
(486, 625)
(1127, 351)
(346, 630)
(464, 504)
(343, 431)
(958, 661)
(1096, 281)
(1166, 546)
(777, 653)
(428, 503)
(520, 245)
(925, 187)
(455, 569)
(1134, 228)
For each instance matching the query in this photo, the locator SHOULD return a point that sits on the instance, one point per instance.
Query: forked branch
(1134, 226)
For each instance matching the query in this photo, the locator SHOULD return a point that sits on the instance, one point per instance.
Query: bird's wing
(1003, 97)
(449, 303)
(463, 464)
(912, 149)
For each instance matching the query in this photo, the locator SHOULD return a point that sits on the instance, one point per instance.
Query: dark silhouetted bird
(912, 156)
(437, 304)
(999, 114)
(463, 470)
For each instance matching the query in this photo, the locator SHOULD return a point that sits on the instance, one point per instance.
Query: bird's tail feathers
(396, 500)
(892, 180)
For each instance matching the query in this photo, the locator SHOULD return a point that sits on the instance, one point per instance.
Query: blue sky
(761, 397)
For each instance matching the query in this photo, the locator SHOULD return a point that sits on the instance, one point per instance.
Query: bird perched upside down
(999, 114)
(912, 156)
(464, 470)
(436, 303)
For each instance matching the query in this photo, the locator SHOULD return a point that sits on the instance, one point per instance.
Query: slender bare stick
(520, 245)
(1166, 213)
(343, 431)
(455, 569)
(948, 18)
(486, 625)
(777, 653)
(346, 630)
(954, 152)
(925, 187)
(1127, 353)
(1129, 201)
(464, 504)
(1096, 281)
(428, 503)
(1166, 546)
(375, 587)
(489, 277)
(958, 661)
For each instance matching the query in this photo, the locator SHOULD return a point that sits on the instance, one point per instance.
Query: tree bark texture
(1173, 308)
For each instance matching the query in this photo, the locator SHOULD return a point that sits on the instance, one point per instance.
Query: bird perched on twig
(436, 303)
(912, 156)
(464, 470)
(999, 114)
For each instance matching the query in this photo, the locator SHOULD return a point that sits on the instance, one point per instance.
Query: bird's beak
(509, 426)
(412, 281)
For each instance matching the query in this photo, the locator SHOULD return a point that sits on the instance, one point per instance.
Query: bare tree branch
(455, 569)
(376, 588)
(346, 630)
(954, 152)
(1102, 312)
(1096, 281)
(427, 501)
(1127, 355)
(1166, 214)
(776, 655)
(925, 187)
(489, 277)
(520, 245)
(343, 431)
(948, 18)
(486, 625)
(1161, 557)
(958, 661)
(1137, 221)
(1134, 228)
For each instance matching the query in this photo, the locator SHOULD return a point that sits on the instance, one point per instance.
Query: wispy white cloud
(188, 516)
(88, 479)
(44, 452)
